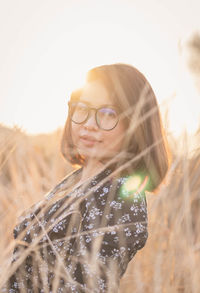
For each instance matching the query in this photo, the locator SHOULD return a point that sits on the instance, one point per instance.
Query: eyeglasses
(106, 116)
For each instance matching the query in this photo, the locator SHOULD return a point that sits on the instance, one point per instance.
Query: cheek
(75, 128)
(114, 139)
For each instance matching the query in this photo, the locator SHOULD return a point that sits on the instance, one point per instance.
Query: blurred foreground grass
(170, 261)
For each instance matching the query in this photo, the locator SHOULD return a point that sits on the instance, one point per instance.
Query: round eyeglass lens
(107, 118)
(79, 113)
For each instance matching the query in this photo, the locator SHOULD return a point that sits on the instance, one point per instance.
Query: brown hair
(145, 146)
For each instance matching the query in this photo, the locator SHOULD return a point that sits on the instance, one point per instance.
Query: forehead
(95, 94)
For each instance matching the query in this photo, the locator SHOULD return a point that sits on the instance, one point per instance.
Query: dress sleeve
(115, 228)
(128, 225)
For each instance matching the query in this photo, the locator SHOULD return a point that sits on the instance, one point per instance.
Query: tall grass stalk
(32, 165)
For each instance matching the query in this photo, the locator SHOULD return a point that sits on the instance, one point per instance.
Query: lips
(89, 140)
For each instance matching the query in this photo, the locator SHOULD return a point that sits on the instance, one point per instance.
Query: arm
(114, 228)
(130, 234)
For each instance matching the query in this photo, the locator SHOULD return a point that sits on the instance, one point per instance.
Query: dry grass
(32, 165)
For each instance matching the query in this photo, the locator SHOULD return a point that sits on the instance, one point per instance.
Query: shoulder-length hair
(145, 148)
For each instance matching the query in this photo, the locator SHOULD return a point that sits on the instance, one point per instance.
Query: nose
(91, 120)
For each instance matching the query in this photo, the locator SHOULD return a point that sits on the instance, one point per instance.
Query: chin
(92, 154)
(88, 153)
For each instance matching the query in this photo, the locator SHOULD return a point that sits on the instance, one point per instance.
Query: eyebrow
(89, 104)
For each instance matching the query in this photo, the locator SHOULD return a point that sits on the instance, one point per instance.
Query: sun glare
(184, 109)
(53, 61)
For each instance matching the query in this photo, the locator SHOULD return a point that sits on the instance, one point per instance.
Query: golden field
(170, 262)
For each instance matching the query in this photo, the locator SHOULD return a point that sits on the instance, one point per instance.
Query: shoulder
(127, 188)
(63, 184)
(119, 195)
(38, 208)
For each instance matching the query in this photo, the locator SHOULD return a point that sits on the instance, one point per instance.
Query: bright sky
(48, 45)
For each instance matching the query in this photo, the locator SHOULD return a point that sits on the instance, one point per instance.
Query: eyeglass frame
(96, 110)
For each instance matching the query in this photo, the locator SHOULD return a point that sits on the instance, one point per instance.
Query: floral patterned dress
(79, 241)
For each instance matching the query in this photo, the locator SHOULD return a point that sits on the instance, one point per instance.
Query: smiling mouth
(90, 141)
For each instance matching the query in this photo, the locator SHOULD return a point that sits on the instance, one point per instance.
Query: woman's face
(91, 141)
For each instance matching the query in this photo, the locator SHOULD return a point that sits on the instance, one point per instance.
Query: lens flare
(134, 184)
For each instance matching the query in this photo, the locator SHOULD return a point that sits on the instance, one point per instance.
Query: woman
(83, 235)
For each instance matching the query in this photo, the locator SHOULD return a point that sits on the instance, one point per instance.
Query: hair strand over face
(132, 93)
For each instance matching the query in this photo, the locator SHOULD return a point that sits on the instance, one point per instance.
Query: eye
(107, 112)
(79, 112)
(107, 118)
(81, 107)
(78, 106)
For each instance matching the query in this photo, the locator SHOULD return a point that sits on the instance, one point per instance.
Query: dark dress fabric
(81, 241)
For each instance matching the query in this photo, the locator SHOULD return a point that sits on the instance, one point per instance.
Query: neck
(90, 169)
